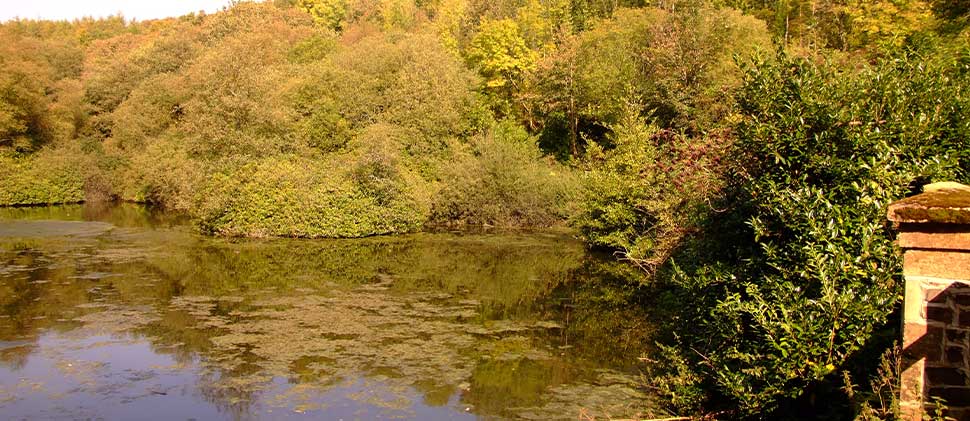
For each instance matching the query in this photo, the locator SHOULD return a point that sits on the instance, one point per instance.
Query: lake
(124, 312)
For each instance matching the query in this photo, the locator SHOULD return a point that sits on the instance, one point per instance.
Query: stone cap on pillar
(937, 219)
(940, 203)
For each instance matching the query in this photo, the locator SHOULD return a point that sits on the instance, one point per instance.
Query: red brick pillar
(934, 233)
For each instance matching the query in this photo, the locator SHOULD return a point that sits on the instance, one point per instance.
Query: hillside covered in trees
(739, 154)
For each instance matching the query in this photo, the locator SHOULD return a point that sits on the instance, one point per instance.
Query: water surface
(121, 312)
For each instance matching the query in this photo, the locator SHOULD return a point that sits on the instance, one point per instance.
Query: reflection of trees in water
(56, 281)
(225, 391)
(541, 286)
(604, 319)
(501, 382)
(125, 215)
(425, 314)
(34, 296)
(348, 335)
(15, 355)
(502, 270)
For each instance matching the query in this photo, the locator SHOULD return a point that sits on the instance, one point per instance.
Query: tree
(448, 21)
(555, 91)
(881, 21)
(676, 68)
(25, 78)
(331, 14)
(542, 21)
(501, 55)
(398, 14)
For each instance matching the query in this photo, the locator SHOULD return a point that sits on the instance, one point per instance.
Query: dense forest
(739, 154)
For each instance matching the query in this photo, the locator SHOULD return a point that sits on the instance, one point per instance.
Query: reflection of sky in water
(124, 378)
(100, 376)
(123, 313)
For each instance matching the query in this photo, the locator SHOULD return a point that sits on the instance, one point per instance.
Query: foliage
(501, 181)
(753, 196)
(296, 198)
(674, 68)
(34, 73)
(812, 272)
(887, 21)
(330, 14)
(53, 176)
(842, 24)
(541, 22)
(503, 58)
(24, 123)
(954, 15)
(644, 196)
(162, 173)
(179, 112)
(398, 14)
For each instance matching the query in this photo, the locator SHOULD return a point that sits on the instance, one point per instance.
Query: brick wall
(934, 233)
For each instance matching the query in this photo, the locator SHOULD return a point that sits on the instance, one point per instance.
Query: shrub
(148, 111)
(809, 273)
(162, 173)
(376, 163)
(501, 180)
(48, 177)
(296, 198)
(644, 196)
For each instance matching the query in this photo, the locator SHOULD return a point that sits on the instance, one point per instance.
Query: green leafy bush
(52, 176)
(501, 180)
(808, 273)
(644, 196)
(161, 173)
(291, 197)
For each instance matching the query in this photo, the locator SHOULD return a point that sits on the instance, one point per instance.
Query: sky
(130, 9)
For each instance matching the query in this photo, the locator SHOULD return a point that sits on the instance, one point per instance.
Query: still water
(121, 312)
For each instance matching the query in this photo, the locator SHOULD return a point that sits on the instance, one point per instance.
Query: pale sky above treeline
(130, 9)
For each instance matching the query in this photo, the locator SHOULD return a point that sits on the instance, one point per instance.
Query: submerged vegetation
(739, 155)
